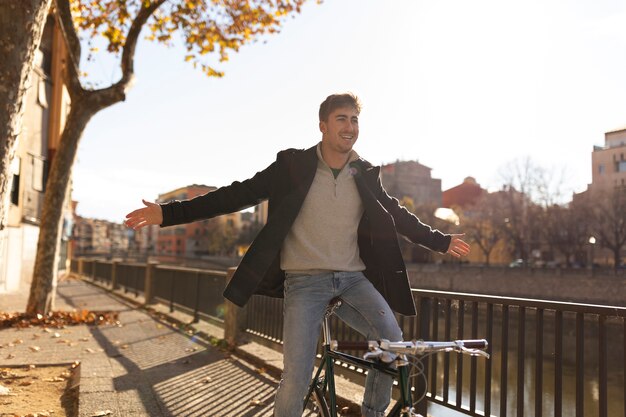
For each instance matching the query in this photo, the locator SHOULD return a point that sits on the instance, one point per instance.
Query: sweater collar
(353, 155)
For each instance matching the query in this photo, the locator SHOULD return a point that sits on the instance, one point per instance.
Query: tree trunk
(84, 104)
(21, 28)
(41, 299)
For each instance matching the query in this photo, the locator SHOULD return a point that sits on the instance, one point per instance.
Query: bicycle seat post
(330, 310)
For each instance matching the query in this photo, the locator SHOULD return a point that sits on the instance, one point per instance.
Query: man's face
(341, 130)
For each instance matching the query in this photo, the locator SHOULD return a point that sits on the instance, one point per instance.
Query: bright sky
(464, 87)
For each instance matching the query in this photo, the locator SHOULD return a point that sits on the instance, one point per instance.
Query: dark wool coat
(285, 183)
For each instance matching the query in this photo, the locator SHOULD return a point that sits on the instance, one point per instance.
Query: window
(621, 166)
(601, 169)
(39, 172)
(15, 190)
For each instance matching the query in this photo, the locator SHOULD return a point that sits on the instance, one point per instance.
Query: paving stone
(142, 367)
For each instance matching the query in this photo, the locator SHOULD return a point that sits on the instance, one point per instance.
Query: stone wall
(572, 285)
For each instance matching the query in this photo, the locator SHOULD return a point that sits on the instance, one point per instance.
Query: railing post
(424, 309)
(81, 266)
(149, 282)
(234, 318)
(114, 275)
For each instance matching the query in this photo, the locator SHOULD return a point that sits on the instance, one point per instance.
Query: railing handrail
(527, 302)
(190, 269)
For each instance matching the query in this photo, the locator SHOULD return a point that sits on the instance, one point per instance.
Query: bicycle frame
(401, 374)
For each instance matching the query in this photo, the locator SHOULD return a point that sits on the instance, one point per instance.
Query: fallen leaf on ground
(56, 335)
(18, 341)
(7, 374)
(34, 348)
(10, 356)
(55, 379)
(90, 350)
(58, 319)
(102, 413)
(4, 390)
(257, 403)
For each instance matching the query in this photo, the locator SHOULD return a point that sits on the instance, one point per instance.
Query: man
(331, 232)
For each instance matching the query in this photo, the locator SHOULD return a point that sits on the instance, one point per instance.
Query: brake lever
(474, 352)
(382, 355)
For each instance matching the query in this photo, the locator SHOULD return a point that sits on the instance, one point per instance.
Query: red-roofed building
(463, 195)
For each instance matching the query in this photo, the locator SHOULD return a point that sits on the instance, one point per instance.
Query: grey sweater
(324, 235)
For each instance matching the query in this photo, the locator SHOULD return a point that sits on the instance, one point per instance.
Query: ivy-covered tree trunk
(21, 28)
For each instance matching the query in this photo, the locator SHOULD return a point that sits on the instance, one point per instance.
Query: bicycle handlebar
(474, 347)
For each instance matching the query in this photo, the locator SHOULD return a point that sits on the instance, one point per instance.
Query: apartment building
(102, 238)
(609, 161)
(411, 179)
(46, 105)
(463, 195)
(198, 238)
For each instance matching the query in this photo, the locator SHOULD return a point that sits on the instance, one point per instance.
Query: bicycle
(393, 358)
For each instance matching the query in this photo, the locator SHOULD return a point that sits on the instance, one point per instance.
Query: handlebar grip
(354, 345)
(481, 344)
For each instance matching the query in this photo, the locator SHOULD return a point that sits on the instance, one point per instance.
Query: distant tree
(525, 190)
(248, 233)
(482, 223)
(608, 207)
(207, 28)
(21, 28)
(566, 229)
(221, 238)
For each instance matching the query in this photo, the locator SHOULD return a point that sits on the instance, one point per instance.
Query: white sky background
(465, 87)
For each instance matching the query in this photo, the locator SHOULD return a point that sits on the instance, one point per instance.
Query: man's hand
(458, 247)
(151, 214)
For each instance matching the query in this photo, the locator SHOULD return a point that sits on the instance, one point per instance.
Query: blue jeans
(363, 309)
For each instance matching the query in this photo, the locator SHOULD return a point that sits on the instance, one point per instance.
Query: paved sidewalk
(142, 367)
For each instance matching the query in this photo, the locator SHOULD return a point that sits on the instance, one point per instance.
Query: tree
(208, 28)
(221, 238)
(482, 223)
(566, 228)
(609, 219)
(527, 187)
(21, 28)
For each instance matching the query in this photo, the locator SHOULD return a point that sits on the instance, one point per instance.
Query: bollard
(234, 318)
(81, 267)
(149, 282)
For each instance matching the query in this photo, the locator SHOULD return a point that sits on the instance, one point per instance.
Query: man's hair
(337, 101)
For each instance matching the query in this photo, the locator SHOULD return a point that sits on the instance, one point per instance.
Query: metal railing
(548, 358)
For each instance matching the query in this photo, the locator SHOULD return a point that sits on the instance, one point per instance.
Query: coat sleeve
(407, 224)
(228, 199)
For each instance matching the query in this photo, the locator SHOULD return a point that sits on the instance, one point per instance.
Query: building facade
(101, 238)
(411, 179)
(202, 238)
(46, 106)
(609, 161)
